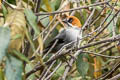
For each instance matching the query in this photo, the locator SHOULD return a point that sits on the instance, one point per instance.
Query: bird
(71, 32)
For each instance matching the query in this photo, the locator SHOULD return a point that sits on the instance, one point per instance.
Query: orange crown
(75, 21)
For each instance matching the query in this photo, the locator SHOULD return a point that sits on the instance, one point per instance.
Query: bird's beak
(65, 21)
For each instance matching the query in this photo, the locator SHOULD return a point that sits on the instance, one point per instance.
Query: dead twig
(83, 7)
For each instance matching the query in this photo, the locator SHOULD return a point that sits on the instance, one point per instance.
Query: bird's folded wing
(60, 40)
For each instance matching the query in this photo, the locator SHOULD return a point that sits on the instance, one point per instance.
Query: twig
(99, 28)
(51, 28)
(97, 17)
(106, 49)
(53, 71)
(89, 19)
(46, 35)
(40, 66)
(50, 49)
(37, 6)
(113, 39)
(97, 54)
(105, 75)
(67, 69)
(43, 17)
(116, 77)
(105, 26)
(83, 7)
(103, 45)
(70, 63)
(46, 72)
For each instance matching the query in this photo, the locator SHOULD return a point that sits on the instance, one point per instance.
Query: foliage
(27, 27)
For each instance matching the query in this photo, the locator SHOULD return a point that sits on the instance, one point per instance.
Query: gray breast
(72, 34)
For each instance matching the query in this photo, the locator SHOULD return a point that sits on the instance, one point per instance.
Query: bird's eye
(70, 20)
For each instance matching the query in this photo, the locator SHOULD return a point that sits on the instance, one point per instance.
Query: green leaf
(32, 20)
(44, 21)
(81, 65)
(4, 41)
(14, 68)
(92, 1)
(12, 1)
(57, 4)
(110, 27)
(4, 10)
(59, 72)
(28, 68)
(20, 56)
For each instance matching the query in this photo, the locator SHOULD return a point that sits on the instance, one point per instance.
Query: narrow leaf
(32, 20)
(4, 10)
(81, 65)
(20, 56)
(4, 41)
(14, 68)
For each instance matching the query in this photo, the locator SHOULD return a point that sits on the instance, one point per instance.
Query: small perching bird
(70, 33)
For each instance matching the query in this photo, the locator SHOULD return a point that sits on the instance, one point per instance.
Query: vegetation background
(27, 27)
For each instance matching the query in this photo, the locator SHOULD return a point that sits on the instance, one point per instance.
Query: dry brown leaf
(16, 20)
(97, 67)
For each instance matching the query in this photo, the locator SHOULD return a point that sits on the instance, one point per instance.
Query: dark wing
(60, 42)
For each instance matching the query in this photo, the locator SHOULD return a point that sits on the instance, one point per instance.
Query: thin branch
(50, 49)
(37, 6)
(83, 7)
(99, 28)
(70, 63)
(97, 54)
(105, 26)
(113, 39)
(89, 19)
(47, 78)
(51, 28)
(105, 75)
(116, 77)
(46, 72)
(97, 17)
